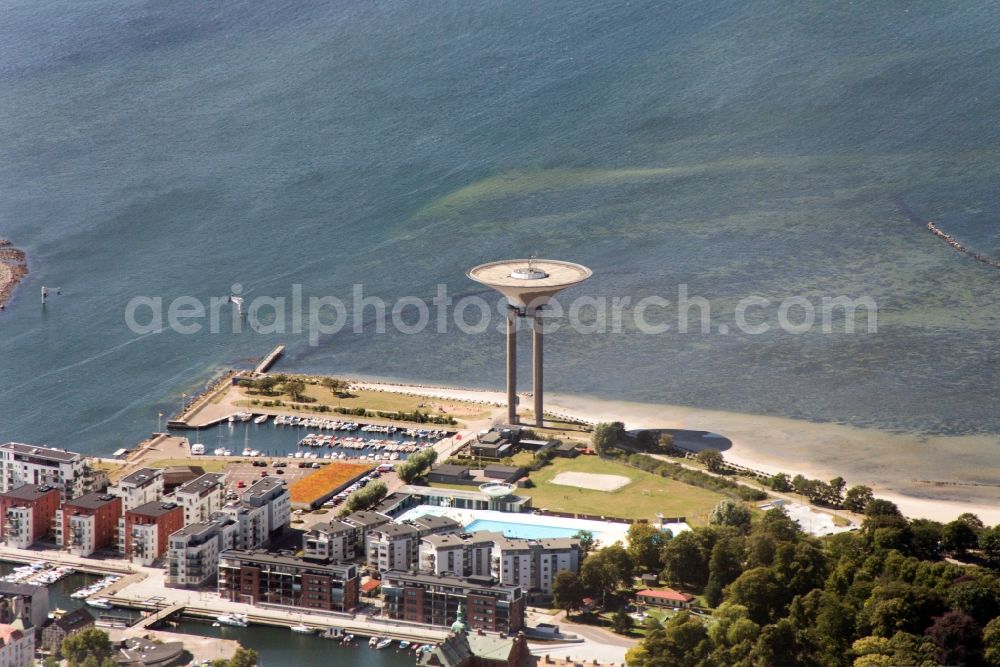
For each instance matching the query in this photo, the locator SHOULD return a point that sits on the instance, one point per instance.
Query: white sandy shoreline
(935, 477)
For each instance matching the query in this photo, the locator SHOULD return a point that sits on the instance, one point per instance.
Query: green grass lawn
(644, 497)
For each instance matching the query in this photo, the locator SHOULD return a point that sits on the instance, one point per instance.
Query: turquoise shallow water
(739, 148)
(522, 530)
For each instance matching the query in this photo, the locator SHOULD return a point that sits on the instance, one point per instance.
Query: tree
(725, 565)
(685, 558)
(666, 443)
(365, 497)
(645, 542)
(958, 638)
(294, 388)
(333, 384)
(598, 576)
(621, 622)
(266, 384)
(645, 441)
(712, 460)
(780, 482)
(989, 542)
(90, 642)
(587, 541)
(925, 539)
(761, 592)
(621, 562)
(958, 537)
(567, 591)
(607, 436)
(243, 657)
(728, 512)
(857, 497)
(991, 643)
(835, 491)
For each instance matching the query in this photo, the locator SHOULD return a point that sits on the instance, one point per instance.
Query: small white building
(393, 547)
(465, 555)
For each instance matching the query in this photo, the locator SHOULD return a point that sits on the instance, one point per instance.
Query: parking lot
(248, 471)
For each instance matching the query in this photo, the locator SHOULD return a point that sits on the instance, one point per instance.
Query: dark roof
(367, 519)
(139, 651)
(8, 588)
(203, 485)
(92, 501)
(451, 470)
(397, 530)
(447, 580)
(29, 492)
(431, 522)
(59, 455)
(154, 509)
(283, 559)
(492, 438)
(566, 446)
(263, 486)
(141, 476)
(334, 526)
(498, 469)
(74, 620)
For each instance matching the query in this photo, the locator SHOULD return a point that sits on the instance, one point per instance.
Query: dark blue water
(168, 149)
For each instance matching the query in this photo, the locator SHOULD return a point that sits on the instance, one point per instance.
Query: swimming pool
(522, 530)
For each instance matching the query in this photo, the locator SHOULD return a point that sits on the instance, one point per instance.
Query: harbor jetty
(950, 240)
(13, 269)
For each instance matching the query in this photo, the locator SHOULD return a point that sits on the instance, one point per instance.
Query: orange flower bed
(324, 480)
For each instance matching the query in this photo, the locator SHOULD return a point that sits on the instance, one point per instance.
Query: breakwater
(954, 243)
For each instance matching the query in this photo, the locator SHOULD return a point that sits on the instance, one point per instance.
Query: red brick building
(258, 577)
(146, 529)
(89, 523)
(26, 514)
(435, 600)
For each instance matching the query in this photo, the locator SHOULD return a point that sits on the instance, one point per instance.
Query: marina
(310, 438)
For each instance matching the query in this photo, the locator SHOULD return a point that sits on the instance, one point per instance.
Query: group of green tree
(92, 648)
(367, 496)
(881, 596)
(608, 439)
(275, 385)
(416, 465)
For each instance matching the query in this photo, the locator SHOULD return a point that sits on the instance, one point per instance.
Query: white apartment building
(466, 555)
(193, 552)
(335, 541)
(42, 466)
(201, 497)
(17, 527)
(533, 564)
(530, 564)
(393, 547)
(140, 487)
(262, 510)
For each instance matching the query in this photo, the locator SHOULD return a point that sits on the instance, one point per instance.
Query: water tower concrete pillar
(511, 365)
(536, 366)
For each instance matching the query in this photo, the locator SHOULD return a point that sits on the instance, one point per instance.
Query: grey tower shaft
(536, 365)
(511, 365)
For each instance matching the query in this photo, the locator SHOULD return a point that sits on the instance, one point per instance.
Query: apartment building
(334, 541)
(17, 646)
(42, 466)
(272, 494)
(462, 555)
(258, 577)
(144, 531)
(533, 564)
(434, 599)
(193, 551)
(140, 487)
(396, 546)
(201, 497)
(27, 513)
(88, 523)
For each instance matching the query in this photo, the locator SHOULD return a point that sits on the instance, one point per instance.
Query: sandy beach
(937, 477)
